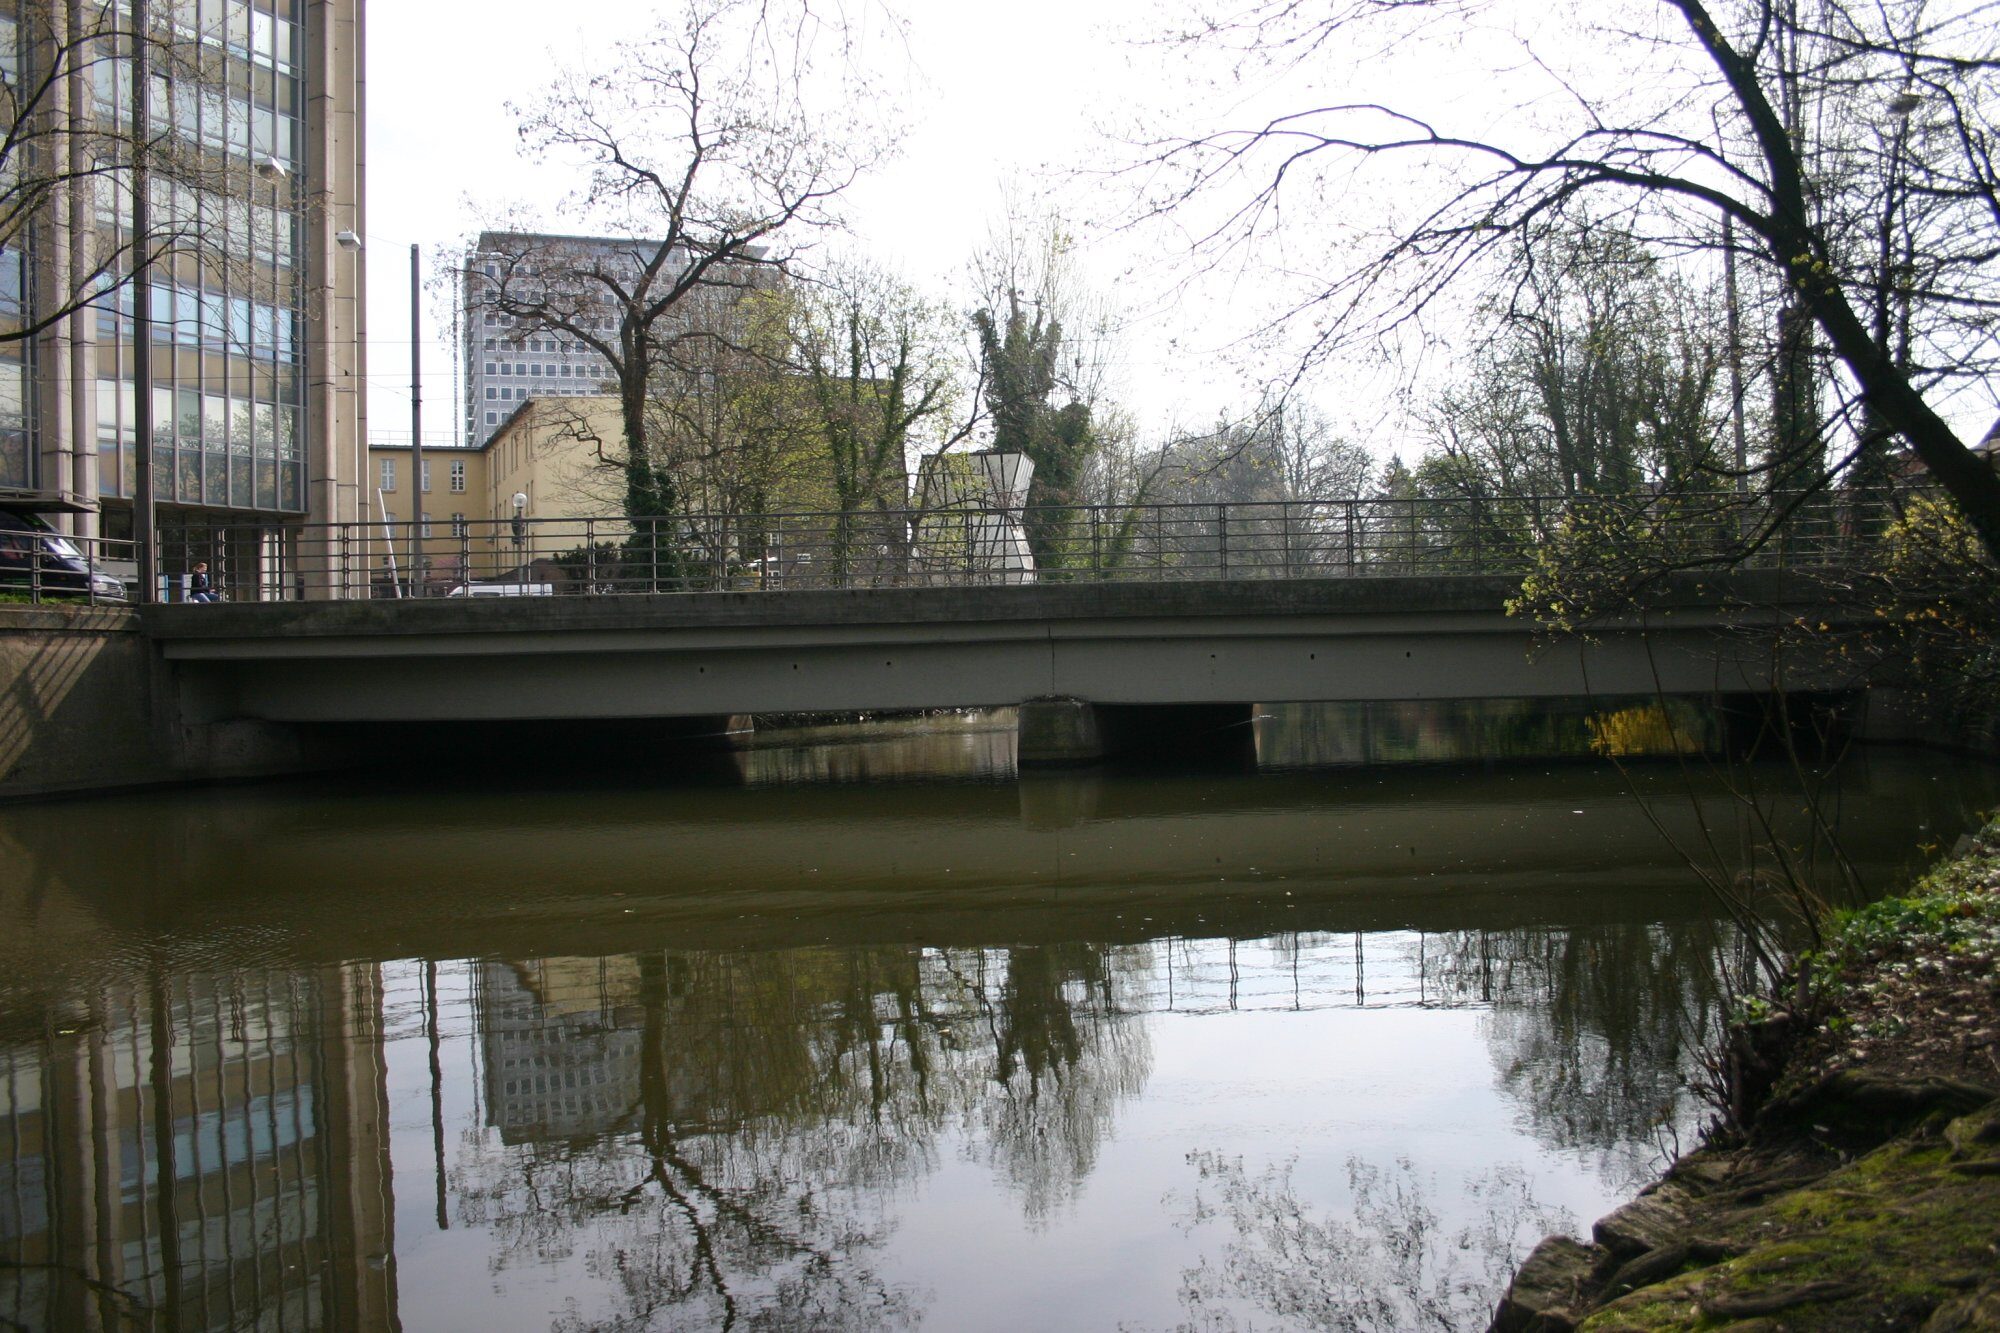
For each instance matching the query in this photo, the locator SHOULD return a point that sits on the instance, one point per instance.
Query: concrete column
(336, 278)
(1051, 732)
(1061, 731)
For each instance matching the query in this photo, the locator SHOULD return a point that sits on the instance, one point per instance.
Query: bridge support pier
(1056, 732)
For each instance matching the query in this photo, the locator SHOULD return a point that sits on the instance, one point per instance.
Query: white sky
(996, 94)
(999, 97)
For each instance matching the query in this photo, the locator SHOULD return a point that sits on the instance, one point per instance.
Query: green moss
(1898, 1223)
(1895, 1233)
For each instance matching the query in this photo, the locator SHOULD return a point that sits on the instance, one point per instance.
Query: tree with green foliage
(879, 388)
(1039, 380)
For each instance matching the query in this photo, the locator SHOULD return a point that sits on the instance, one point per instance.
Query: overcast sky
(996, 95)
(998, 98)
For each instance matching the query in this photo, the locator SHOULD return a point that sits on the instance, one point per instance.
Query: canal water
(856, 1030)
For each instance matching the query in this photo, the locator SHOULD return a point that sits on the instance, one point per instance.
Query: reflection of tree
(1398, 1266)
(1593, 1027)
(778, 1100)
(1064, 1056)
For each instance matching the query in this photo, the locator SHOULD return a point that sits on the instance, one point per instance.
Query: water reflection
(202, 1152)
(847, 1055)
(724, 1132)
(1463, 730)
(1595, 1029)
(1393, 1264)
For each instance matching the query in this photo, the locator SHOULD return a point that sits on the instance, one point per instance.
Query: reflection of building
(557, 1063)
(257, 405)
(269, 1116)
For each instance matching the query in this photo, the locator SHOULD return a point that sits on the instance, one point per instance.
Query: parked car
(34, 555)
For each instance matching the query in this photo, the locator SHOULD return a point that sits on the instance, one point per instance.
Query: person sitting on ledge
(199, 589)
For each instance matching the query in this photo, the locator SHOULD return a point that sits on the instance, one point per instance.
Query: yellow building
(512, 510)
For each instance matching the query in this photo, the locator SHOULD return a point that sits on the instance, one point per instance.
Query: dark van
(34, 555)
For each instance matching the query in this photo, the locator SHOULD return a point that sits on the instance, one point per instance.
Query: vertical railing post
(1222, 541)
(1352, 506)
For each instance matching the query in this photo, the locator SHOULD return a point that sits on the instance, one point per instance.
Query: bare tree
(67, 144)
(1749, 113)
(716, 143)
(1599, 372)
(875, 355)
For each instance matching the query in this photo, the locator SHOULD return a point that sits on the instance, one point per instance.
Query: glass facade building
(228, 305)
(256, 347)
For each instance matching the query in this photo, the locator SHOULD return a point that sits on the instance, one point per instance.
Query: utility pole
(416, 436)
(144, 535)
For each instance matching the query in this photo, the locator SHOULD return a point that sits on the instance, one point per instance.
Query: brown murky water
(858, 1031)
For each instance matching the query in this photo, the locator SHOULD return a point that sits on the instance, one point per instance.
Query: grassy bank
(1862, 1187)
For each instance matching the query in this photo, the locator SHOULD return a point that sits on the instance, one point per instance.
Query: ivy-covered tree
(878, 388)
(1040, 382)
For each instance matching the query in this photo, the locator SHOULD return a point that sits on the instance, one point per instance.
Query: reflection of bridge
(1116, 646)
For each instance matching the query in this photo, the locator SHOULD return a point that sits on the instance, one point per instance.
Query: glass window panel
(11, 278)
(17, 465)
(184, 484)
(186, 417)
(215, 477)
(214, 421)
(241, 416)
(163, 419)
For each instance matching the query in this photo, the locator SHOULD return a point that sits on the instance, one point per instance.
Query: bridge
(1095, 664)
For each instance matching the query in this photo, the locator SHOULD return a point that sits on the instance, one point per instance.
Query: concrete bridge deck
(1334, 639)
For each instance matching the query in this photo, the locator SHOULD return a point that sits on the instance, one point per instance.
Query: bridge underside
(1173, 644)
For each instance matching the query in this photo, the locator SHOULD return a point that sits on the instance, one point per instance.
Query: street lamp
(520, 526)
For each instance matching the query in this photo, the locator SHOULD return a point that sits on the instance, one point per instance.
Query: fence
(39, 566)
(973, 546)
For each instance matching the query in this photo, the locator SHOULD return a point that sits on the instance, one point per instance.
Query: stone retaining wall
(83, 708)
(76, 702)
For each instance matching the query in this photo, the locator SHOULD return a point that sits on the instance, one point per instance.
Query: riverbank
(1863, 1189)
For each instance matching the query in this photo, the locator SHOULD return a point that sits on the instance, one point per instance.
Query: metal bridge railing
(972, 546)
(42, 565)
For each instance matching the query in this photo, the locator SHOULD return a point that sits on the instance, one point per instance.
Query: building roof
(519, 414)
